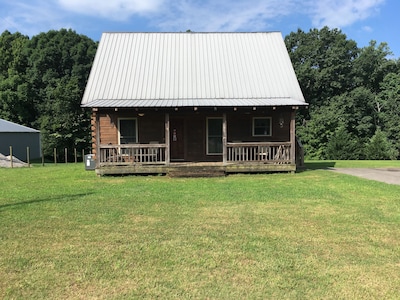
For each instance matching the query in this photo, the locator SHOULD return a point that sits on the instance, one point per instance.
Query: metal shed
(19, 137)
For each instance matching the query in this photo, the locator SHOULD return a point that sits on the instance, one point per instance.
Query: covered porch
(236, 156)
(154, 159)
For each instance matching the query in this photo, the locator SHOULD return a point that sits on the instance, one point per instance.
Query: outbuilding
(19, 137)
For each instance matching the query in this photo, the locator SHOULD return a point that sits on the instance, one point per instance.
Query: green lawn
(67, 234)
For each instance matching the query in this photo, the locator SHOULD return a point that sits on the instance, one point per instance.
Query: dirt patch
(387, 175)
(5, 162)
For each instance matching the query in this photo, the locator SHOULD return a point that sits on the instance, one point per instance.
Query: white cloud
(111, 9)
(31, 17)
(342, 13)
(367, 29)
(223, 15)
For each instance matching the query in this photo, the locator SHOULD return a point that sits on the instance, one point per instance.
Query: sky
(360, 20)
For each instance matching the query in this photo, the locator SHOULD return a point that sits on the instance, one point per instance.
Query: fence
(63, 156)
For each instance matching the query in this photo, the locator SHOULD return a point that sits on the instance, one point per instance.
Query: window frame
(269, 119)
(119, 130)
(207, 136)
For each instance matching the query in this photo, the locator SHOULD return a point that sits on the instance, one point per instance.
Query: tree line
(354, 93)
(354, 96)
(42, 80)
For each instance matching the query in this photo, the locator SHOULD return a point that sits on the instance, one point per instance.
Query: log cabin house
(193, 104)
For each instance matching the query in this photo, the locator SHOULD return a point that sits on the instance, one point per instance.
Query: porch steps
(196, 171)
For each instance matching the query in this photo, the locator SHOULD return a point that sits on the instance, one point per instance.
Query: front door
(177, 139)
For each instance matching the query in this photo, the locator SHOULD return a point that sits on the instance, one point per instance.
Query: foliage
(323, 61)
(379, 147)
(15, 101)
(351, 91)
(389, 107)
(312, 235)
(343, 146)
(42, 82)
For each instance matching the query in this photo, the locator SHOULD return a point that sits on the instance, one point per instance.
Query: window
(262, 127)
(127, 131)
(214, 136)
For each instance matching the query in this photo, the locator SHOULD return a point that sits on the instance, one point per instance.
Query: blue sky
(360, 20)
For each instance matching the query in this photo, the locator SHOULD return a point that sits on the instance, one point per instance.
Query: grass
(322, 164)
(67, 234)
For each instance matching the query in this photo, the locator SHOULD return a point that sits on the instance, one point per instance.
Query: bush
(343, 146)
(379, 147)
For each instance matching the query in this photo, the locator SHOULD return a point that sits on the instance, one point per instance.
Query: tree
(372, 65)
(316, 133)
(15, 101)
(323, 61)
(379, 147)
(59, 64)
(343, 145)
(389, 103)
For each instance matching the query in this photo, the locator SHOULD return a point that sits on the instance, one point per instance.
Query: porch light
(281, 121)
(140, 114)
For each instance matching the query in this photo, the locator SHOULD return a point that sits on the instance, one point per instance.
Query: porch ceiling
(167, 103)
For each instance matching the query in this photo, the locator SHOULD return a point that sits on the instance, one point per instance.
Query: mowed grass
(67, 234)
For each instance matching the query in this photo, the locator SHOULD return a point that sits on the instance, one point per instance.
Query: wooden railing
(129, 154)
(267, 152)
(132, 153)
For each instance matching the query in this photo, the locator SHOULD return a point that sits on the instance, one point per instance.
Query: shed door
(177, 139)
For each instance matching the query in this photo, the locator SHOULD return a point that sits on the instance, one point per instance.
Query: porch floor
(195, 169)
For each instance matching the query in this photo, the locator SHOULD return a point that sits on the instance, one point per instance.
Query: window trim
(207, 136)
(119, 131)
(262, 118)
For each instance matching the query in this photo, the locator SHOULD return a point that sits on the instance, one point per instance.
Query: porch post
(224, 139)
(97, 138)
(293, 136)
(167, 141)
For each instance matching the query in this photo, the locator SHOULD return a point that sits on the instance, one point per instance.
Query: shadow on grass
(60, 198)
(318, 165)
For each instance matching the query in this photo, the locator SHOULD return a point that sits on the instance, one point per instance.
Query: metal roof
(192, 69)
(7, 126)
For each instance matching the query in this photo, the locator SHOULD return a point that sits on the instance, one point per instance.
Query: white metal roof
(192, 69)
(7, 126)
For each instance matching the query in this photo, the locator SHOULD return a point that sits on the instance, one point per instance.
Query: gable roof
(7, 126)
(192, 69)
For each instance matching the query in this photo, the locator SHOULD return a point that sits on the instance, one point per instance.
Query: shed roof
(7, 126)
(192, 69)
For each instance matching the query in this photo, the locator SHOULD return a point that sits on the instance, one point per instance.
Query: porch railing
(268, 152)
(237, 152)
(132, 153)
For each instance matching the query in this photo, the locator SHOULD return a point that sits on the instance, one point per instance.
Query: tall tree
(372, 65)
(59, 63)
(389, 109)
(15, 104)
(323, 61)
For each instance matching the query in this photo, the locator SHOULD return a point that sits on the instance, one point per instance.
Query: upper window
(127, 131)
(262, 127)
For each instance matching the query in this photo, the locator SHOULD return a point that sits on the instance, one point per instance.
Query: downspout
(97, 138)
(224, 139)
(293, 136)
(167, 140)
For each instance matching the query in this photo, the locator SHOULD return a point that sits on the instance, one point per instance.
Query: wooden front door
(177, 139)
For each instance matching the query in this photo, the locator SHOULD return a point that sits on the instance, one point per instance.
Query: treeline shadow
(60, 198)
(317, 165)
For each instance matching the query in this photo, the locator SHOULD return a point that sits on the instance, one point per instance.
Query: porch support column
(224, 139)
(293, 136)
(97, 138)
(167, 141)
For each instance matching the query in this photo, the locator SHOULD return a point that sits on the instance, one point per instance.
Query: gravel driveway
(387, 175)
